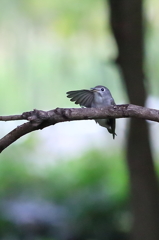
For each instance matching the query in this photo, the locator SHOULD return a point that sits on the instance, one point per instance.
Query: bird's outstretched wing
(82, 97)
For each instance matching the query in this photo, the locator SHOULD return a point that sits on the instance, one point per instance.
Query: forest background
(76, 170)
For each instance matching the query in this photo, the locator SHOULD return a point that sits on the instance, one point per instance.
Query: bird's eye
(102, 89)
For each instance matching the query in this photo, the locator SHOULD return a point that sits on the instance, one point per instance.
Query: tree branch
(39, 119)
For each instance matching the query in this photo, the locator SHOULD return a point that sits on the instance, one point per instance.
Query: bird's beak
(94, 90)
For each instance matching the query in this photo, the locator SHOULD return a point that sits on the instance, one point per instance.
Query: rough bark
(39, 119)
(127, 26)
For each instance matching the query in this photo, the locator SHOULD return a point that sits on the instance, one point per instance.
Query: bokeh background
(68, 181)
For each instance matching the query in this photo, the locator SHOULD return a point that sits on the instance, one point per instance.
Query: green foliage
(91, 189)
(89, 171)
(47, 48)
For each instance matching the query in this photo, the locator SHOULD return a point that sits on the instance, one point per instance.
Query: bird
(97, 97)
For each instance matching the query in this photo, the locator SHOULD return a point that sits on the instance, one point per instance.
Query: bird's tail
(111, 123)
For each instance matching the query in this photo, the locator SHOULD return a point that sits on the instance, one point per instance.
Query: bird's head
(100, 91)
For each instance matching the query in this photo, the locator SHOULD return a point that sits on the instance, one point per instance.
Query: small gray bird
(97, 97)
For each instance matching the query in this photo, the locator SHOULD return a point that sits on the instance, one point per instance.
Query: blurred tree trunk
(127, 26)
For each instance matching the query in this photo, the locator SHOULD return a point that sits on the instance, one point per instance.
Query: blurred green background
(68, 181)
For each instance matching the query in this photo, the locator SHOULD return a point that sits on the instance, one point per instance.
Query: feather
(82, 97)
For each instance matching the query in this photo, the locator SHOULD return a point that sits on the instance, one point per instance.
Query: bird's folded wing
(82, 97)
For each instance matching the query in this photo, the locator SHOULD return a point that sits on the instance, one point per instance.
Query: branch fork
(38, 119)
